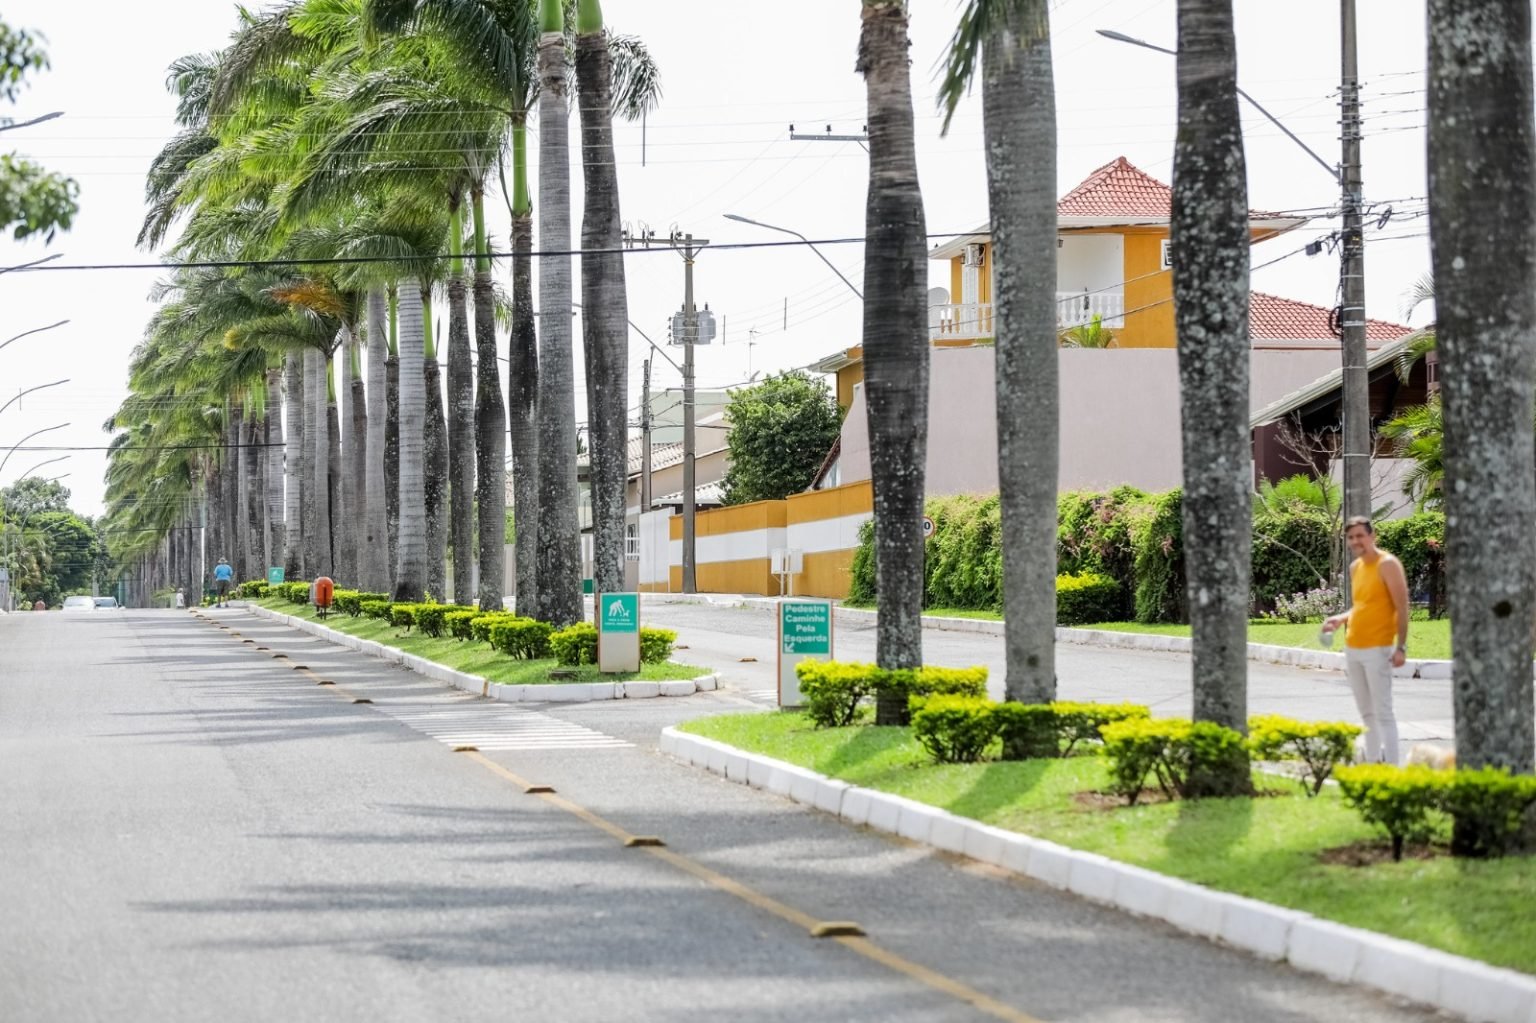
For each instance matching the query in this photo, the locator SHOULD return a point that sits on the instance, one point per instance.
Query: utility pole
(689, 247)
(645, 441)
(1356, 381)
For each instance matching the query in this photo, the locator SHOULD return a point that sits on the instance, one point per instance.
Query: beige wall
(1119, 416)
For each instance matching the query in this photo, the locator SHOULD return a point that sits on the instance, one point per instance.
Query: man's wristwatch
(1400, 649)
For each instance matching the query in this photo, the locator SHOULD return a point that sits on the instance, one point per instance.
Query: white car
(79, 603)
(108, 603)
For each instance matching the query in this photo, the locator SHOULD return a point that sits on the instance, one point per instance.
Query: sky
(734, 76)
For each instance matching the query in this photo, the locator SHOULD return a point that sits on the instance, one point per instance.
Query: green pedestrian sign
(274, 575)
(805, 634)
(620, 613)
(806, 628)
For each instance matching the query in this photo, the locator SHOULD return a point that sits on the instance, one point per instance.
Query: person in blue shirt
(223, 575)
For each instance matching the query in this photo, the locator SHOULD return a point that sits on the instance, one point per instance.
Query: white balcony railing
(973, 320)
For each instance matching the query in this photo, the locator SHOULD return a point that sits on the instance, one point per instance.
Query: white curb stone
(1400, 967)
(1324, 947)
(1144, 892)
(829, 795)
(1016, 853)
(915, 820)
(641, 690)
(1486, 993)
(1093, 877)
(948, 833)
(1258, 927)
(758, 769)
(883, 812)
(1050, 863)
(982, 842)
(855, 807)
(1198, 912)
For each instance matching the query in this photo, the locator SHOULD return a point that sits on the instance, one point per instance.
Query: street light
(34, 330)
(35, 120)
(38, 466)
(34, 433)
(748, 220)
(39, 387)
(1333, 172)
(28, 266)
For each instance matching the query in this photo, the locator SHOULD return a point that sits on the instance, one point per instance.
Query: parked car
(108, 603)
(79, 603)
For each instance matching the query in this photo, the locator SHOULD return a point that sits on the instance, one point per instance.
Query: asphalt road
(719, 637)
(193, 829)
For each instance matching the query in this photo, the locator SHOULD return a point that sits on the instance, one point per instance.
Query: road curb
(573, 692)
(1469, 989)
(1265, 653)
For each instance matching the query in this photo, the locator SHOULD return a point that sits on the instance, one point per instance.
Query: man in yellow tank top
(1376, 635)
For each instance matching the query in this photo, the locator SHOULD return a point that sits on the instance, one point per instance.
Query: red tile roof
(1271, 318)
(1121, 189)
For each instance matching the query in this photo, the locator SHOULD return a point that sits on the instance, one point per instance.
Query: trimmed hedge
(521, 637)
(954, 729)
(253, 589)
(577, 644)
(1031, 731)
(1087, 598)
(834, 690)
(480, 625)
(457, 622)
(1319, 746)
(1411, 803)
(1186, 759)
(376, 609)
(402, 616)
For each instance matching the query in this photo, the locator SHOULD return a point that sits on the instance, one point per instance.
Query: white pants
(1370, 676)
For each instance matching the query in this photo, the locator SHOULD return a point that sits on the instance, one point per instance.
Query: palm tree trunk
(357, 463)
(229, 487)
(559, 546)
(895, 343)
(276, 515)
(1210, 302)
(411, 564)
(1019, 114)
(436, 485)
(336, 505)
(1481, 170)
(251, 502)
(462, 457)
(375, 564)
(343, 532)
(490, 427)
(523, 387)
(604, 304)
(293, 465)
(392, 457)
(326, 565)
(310, 485)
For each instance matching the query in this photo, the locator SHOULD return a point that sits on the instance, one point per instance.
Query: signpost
(928, 527)
(618, 632)
(805, 634)
(275, 575)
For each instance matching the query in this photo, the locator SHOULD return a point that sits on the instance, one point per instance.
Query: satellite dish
(938, 296)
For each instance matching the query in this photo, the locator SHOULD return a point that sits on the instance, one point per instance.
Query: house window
(632, 541)
(1167, 255)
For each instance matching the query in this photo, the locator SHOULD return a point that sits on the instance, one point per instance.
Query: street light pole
(748, 220)
(13, 448)
(35, 120)
(22, 394)
(34, 330)
(1355, 381)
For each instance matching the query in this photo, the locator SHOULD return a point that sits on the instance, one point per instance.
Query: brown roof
(1272, 318)
(1121, 189)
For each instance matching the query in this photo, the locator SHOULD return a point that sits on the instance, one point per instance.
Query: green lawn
(478, 658)
(1266, 848)
(1427, 640)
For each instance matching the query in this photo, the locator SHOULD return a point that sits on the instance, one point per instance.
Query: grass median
(1428, 640)
(1275, 848)
(476, 658)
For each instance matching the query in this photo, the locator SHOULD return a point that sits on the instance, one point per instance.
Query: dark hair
(1359, 520)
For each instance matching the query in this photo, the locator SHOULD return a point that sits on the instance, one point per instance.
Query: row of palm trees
(329, 181)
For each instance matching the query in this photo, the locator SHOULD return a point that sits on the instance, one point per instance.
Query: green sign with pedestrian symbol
(620, 613)
(806, 628)
(274, 575)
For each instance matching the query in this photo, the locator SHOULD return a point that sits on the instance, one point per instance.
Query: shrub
(295, 592)
(1087, 598)
(480, 625)
(954, 729)
(402, 616)
(1402, 801)
(1030, 731)
(1093, 534)
(521, 637)
(457, 622)
(906, 683)
(1187, 760)
(834, 690)
(656, 644)
(861, 574)
(429, 618)
(348, 602)
(1157, 537)
(575, 644)
(1084, 722)
(1489, 806)
(1318, 746)
(1312, 606)
(253, 589)
(1419, 543)
(375, 609)
(1293, 546)
(963, 559)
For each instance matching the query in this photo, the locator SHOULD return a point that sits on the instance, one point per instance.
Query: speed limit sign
(927, 527)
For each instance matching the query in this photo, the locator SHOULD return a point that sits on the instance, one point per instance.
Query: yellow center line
(861, 945)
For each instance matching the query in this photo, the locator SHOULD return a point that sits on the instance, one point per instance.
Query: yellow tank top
(1373, 620)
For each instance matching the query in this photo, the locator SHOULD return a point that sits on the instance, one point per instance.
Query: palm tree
(1019, 117)
(895, 342)
(411, 566)
(461, 412)
(559, 551)
(293, 443)
(1092, 334)
(1210, 290)
(374, 567)
(1482, 202)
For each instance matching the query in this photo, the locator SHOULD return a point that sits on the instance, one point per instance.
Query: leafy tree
(780, 432)
(33, 200)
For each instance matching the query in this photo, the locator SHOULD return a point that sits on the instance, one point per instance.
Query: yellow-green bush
(953, 729)
(1087, 598)
(1186, 759)
(1319, 746)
